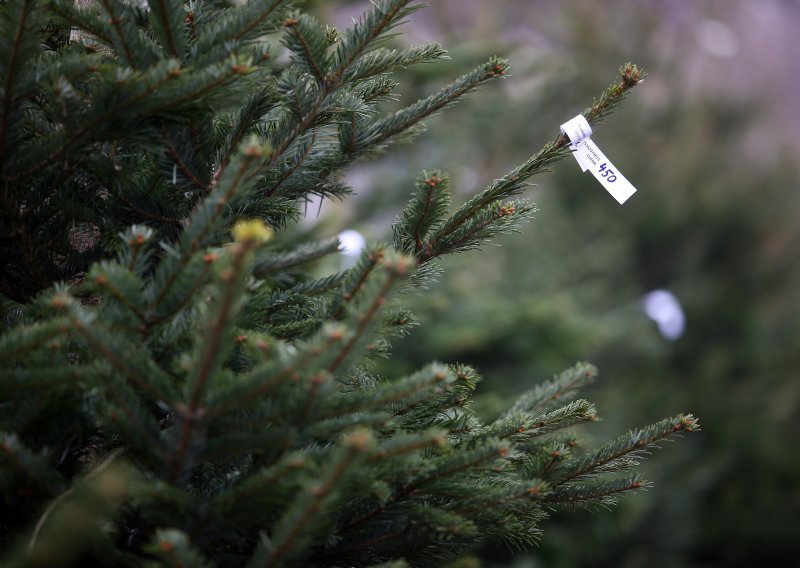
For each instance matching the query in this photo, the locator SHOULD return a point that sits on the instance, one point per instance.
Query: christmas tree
(178, 387)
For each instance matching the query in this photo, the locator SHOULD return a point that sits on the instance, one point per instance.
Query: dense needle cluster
(176, 391)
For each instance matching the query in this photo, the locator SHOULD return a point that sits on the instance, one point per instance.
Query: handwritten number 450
(608, 173)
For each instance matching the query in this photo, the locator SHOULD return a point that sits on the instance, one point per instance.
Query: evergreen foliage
(174, 392)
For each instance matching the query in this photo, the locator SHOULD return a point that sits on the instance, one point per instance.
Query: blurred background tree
(711, 143)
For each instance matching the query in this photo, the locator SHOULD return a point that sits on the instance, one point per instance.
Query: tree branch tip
(359, 441)
(686, 423)
(631, 74)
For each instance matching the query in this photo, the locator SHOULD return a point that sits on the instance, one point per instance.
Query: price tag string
(590, 158)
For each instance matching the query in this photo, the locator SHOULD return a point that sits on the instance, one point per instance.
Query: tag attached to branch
(591, 158)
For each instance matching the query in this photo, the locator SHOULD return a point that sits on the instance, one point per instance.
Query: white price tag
(590, 158)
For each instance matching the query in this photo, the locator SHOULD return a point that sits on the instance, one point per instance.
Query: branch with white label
(468, 218)
(579, 129)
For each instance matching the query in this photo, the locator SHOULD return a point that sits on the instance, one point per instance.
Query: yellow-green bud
(252, 230)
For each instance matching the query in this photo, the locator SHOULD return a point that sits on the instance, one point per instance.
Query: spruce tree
(176, 389)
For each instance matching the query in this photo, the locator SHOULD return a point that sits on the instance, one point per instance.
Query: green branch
(306, 37)
(369, 260)
(116, 19)
(396, 269)
(384, 15)
(404, 119)
(631, 443)
(308, 505)
(166, 12)
(212, 349)
(603, 493)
